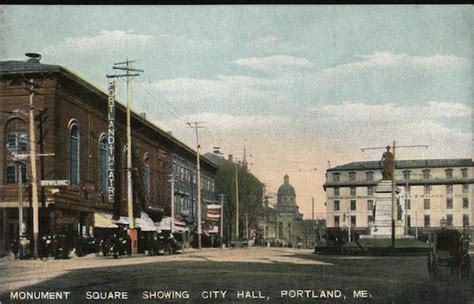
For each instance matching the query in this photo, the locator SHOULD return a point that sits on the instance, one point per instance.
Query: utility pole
(222, 220)
(172, 180)
(246, 225)
(19, 160)
(34, 186)
(127, 67)
(197, 125)
(237, 233)
(394, 183)
(312, 221)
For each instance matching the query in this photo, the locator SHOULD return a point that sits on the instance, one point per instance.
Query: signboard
(54, 183)
(111, 143)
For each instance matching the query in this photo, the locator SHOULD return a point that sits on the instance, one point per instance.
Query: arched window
(103, 163)
(16, 135)
(146, 173)
(74, 156)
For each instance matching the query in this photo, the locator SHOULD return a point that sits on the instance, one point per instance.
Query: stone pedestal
(382, 227)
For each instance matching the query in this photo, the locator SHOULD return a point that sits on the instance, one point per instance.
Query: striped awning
(103, 220)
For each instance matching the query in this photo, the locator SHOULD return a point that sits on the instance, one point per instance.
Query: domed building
(289, 219)
(286, 199)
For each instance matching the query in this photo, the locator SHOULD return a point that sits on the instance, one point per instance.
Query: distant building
(289, 219)
(431, 191)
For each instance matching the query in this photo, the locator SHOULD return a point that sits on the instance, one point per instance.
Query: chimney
(143, 115)
(33, 57)
(231, 158)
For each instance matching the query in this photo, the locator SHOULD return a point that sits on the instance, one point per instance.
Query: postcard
(236, 154)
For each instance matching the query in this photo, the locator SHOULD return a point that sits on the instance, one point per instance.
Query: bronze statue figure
(387, 164)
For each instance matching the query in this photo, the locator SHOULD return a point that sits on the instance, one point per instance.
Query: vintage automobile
(449, 249)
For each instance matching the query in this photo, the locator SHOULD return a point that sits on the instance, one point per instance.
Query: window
(336, 191)
(408, 223)
(11, 174)
(74, 156)
(465, 202)
(449, 219)
(353, 221)
(427, 220)
(146, 173)
(426, 203)
(352, 176)
(17, 141)
(103, 163)
(336, 221)
(465, 188)
(426, 174)
(370, 205)
(370, 175)
(427, 189)
(370, 219)
(465, 220)
(11, 171)
(406, 174)
(408, 202)
(353, 205)
(370, 190)
(449, 189)
(449, 173)
(353, 191)
(336, 205)
(465, 173)
(449, 203)
(194, 178)
(336, 176)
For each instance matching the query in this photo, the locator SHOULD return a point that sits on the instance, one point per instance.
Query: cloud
(387, 60)
(275, 62)
(228, 121)
(221, 88)
(104, 41)
(365, 125)
(275, 45)
(391, 112)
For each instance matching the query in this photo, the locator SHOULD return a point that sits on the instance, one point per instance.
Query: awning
(165, 224)
(145, 223)
(103, 220)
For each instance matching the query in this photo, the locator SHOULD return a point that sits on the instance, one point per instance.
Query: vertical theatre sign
(111, 144)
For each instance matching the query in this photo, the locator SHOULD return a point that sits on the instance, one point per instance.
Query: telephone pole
(172, 180)
(393, 182)
(34, 185)
(127, 67)
(222, 220)
(196, 125)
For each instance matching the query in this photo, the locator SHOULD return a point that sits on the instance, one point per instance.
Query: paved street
(276, 275)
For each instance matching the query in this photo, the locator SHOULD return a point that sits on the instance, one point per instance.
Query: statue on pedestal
(387, 164)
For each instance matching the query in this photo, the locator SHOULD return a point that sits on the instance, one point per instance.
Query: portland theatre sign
(111, 144)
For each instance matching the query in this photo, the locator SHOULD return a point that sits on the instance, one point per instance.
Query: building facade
(431, 192)
(71, 127)
(289, 221)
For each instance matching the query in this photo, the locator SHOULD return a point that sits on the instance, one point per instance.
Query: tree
(250, 196)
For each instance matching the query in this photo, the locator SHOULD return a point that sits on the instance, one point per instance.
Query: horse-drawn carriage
(449, 249)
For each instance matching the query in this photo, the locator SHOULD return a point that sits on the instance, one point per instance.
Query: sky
(302, 88)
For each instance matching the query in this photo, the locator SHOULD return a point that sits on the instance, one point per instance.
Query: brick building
(71, 122)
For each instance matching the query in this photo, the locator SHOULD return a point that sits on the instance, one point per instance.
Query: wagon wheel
(466, 267)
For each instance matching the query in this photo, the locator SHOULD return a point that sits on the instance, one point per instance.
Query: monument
(385, 206)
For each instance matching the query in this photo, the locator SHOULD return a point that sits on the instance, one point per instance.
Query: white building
(430, 190)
